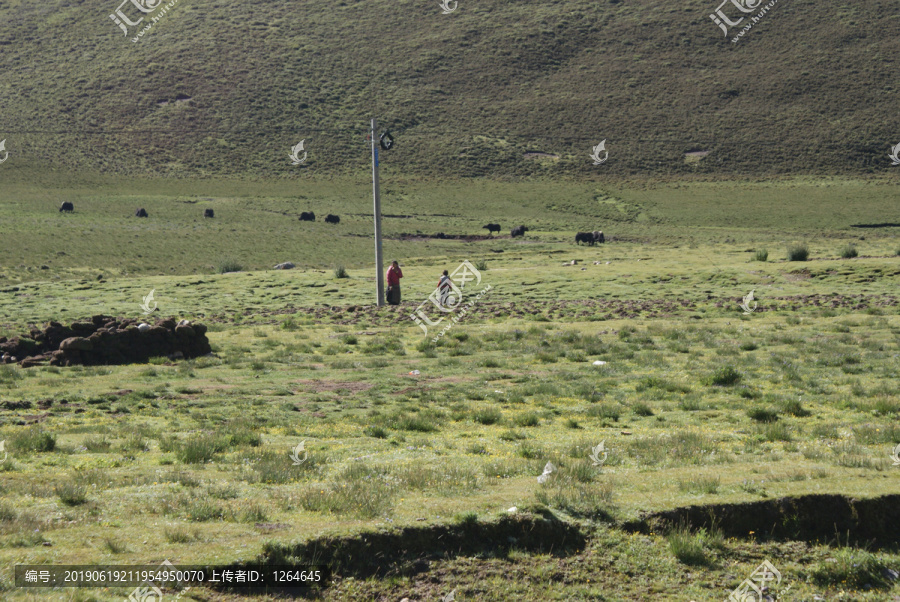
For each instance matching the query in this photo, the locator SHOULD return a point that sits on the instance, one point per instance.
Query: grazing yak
(589, 237)
(491, 228)
(67, 207)
(209, 213)
(307, 216)
(140, 212)
(518, 231)
(332, 219)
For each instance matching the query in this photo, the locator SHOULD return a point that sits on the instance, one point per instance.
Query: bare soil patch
(318, 386)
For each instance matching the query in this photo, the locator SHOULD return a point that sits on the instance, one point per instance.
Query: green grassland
(698, 403)
(256, 222)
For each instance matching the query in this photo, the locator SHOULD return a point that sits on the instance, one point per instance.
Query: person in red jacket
(394, 274)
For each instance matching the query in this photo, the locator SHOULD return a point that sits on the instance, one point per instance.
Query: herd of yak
(590, 238)
(306, 216)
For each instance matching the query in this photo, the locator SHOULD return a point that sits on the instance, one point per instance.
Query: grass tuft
(582, 500)
(798, 252)
(113, 546)
(642, 409)
(849, 252)
(527, 419)
(376, 432)
(763, 414)
(794, 408)
(71, 493)
(703, 484)
(687, 547)
(853, 569)
(180, 534)
(725, 376)
(229, 265)
(200, 449)
(606, 411)
(31, 440)
(487, 416)
(362, 495)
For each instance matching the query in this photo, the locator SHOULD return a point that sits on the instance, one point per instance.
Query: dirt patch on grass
(797, 275)
(271, 526)
(33, 418)
(406, 390)
(448, 379)
(317, 386)
(442, 236)
(577, 309)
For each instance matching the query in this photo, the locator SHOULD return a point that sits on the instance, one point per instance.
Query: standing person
(394, 274)
(444, 288)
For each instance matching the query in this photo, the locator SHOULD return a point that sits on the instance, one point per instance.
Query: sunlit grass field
(697, 401)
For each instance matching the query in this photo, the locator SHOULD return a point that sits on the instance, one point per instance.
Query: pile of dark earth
(105, 340)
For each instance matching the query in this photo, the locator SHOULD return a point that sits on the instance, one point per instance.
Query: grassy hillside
(229, 88)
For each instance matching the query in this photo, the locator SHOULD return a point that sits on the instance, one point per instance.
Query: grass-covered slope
(231, 87)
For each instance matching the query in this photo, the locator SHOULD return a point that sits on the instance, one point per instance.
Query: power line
(164, 131)
(432, 134)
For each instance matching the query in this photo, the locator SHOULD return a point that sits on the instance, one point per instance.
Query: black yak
(140, 212)
(586, 237)
(332, 219)
(491, 228)
(518, 231)
(67, 207)
(307, 216)
(209, 213)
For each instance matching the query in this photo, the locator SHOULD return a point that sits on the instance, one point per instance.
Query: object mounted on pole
(386, 141)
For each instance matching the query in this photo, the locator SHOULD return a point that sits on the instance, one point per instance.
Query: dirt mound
(816, 517)
(408, 551)
(105, 340)
(404, 550)
(442, 236)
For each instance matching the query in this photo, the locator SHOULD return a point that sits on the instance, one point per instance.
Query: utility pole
(379, 259)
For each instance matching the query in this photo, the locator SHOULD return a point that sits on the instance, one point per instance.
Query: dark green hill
(494, 88)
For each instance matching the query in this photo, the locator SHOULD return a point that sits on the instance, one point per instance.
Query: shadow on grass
(408, 551)
(871, 523)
